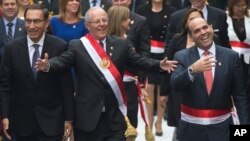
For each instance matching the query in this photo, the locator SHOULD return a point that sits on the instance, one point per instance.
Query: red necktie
(208, 75)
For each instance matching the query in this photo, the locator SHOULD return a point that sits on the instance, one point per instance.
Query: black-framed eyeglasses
(97, 22)
(35, 21)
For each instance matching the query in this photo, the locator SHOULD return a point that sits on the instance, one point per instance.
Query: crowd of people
(81, 69)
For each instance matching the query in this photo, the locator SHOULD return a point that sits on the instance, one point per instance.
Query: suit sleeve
(240, 97)
(180, 78)
(5, 85)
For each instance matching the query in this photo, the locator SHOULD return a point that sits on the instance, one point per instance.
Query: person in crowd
(119, 15)
(214, 16)
(138, 35)
(22, 5)
(51, 5)
(86, 4)
(238, 30)
(35, 105)
(209, 76)
(179, 4)
(157, 13)
(180, 41)
(100, 61)
(12, 27)
(69, 24)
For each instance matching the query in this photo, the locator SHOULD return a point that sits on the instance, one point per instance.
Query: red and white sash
(157, 46)
(110, 72)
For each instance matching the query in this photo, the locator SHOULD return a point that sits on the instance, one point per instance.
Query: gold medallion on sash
(104, 63)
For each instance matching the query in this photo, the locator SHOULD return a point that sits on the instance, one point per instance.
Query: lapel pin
(111, 48)
(110, 54)
(74, 26)
(20, 29)
(132, 22)
(165, 16)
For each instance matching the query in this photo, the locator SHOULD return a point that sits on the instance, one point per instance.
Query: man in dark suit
(214, 16)
(100, 61)
(86, 4)
(17, 28)
(51, 5)
(35, 106)
(209, 76)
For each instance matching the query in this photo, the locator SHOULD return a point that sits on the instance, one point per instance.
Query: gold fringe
(149, 134)
(130, 131)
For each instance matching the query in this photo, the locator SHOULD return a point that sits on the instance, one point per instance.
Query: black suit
(85, 5)
(228, 82)
(93, 91)
(178, 4)
(51, 6)
(216, 17)
(45, 102)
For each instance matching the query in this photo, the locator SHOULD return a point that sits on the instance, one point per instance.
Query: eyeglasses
(97, 22)
(35, 22)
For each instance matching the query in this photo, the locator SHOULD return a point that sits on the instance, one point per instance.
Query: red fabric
(208, 75)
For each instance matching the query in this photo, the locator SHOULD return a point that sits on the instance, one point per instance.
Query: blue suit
(19, 31)
(228, 82)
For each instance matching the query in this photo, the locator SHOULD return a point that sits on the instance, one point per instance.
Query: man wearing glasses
(35, 106)
(100, 61)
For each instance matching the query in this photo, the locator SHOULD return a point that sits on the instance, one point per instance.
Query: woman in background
(69, 24)
(157, 13)
(22, 5)
(238, 21)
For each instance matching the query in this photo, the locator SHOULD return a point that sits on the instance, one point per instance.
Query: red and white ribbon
(157, 46)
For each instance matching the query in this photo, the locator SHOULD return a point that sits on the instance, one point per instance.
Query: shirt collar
(211, 50)
(40, 42)
(13, 21)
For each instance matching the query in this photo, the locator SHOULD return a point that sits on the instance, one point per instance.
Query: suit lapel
(218, 68)
(24, 53)
(19, 29)
(194, 57)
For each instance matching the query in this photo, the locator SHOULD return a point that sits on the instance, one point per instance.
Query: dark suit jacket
(46, 101)
(228, 81)
(178, 4)
(93, 90)
(215, 17)
(222, 4)
(85, 5)
(19, 31)
(52, 6)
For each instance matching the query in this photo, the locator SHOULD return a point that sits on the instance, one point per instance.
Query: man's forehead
(197, 23)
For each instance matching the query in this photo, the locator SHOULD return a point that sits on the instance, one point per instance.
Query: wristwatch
(190, 70)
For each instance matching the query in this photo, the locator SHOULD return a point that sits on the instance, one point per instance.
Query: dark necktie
(208, 75)
(36, 55)
(94, 3)
(101, 44)
(9, 34)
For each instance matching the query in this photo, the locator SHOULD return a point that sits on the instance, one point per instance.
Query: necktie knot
(101, 44)
(36, 46)
(206, 53)
(10, 24)
(94, 2)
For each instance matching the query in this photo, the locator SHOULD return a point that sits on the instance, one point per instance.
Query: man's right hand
(5, 122)
(43, 64)
(204, 64)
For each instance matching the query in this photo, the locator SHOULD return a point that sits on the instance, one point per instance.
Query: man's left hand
(167, 65)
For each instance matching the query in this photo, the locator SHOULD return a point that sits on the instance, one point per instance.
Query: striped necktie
(36, 55)
(9, 34)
